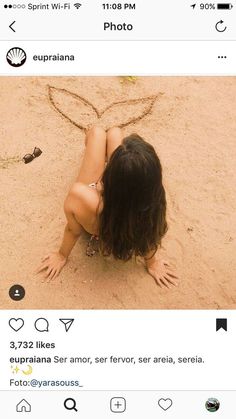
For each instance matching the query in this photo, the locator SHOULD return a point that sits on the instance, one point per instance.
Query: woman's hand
(161, 272)
(52, 264)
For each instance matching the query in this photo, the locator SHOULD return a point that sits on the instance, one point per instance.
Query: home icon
(23, 406)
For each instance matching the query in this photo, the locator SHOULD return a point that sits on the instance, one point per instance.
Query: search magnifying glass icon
(70, 404)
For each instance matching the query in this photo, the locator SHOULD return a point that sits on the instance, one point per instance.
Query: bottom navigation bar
(131, 404)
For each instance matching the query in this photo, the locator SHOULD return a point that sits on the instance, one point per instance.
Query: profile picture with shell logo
(16, 57)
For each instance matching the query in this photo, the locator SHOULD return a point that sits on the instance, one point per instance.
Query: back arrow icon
(218, 24)
(10, 26)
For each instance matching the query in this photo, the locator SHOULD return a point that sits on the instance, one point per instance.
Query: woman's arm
(68, 242)
(54, 262)
(159, 269)
(73, 228)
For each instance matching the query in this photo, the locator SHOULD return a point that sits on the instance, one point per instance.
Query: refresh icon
(220, 27)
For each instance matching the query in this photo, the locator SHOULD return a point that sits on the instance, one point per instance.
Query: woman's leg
(93, 163)
(114, 139)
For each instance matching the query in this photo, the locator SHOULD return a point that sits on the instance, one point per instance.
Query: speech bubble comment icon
(41, 325)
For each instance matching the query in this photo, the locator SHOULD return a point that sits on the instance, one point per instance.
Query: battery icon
(224, 6)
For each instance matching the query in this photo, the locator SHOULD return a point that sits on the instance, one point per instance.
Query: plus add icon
(118, 405)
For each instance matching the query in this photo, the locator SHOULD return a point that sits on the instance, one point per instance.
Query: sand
(192, 125)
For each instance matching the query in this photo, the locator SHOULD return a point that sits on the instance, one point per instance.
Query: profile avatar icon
(16, 57)
(17, 292)
(212, 405)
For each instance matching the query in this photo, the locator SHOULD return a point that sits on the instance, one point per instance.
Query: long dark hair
(133, 218)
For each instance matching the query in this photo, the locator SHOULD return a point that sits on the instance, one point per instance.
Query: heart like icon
(16, 324)
(165, 404)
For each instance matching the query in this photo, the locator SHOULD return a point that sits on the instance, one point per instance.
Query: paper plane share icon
(67, 323)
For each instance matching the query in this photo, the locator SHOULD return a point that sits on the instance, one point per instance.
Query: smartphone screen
(117, 209)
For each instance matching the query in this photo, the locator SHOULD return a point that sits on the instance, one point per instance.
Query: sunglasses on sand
(30, 157)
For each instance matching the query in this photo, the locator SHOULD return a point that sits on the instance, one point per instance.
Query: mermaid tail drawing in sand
(118, 198)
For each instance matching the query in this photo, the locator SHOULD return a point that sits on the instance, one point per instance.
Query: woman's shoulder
(81, 196)
(79, 190)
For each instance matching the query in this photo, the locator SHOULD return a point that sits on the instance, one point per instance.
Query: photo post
(117, 209)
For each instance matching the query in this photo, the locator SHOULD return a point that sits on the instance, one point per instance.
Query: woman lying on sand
(125, 208)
